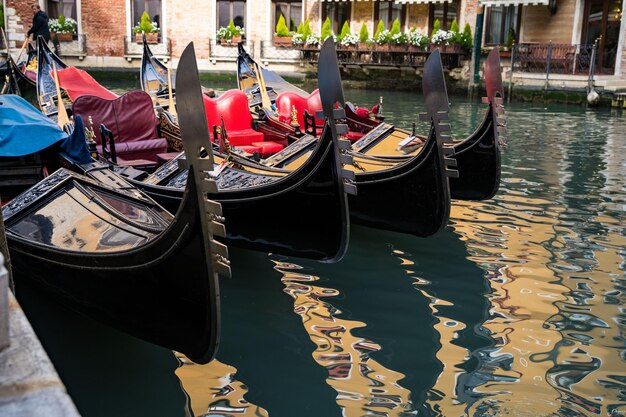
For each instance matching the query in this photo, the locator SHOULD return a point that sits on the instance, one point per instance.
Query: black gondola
(47, 63)
(410, 196)
(478, 155)
(114, 254)
(153, 77)
(19, 82)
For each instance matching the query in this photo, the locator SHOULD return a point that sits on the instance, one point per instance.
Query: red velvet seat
(267, 148)
(250, 148)
(132, 120)
(311, 103)
(233, 106)
(353, 136)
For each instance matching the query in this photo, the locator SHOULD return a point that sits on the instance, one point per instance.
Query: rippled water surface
(516, 308)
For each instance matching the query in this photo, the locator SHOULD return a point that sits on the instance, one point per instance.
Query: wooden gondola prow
(437, 107)
(62, 117)
(495, 95)
(331, 94)
(195, 135)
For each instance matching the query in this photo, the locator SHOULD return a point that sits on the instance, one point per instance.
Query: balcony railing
(368, 55)
(134, 49)
(76, 47)
(227, 51)
(551, 58)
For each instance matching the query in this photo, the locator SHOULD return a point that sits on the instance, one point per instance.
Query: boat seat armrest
(108, 144)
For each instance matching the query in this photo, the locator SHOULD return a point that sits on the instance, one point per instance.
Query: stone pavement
(29, 384)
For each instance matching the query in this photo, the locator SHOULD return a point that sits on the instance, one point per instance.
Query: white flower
(350, 39)
(442, 37)
(297, 39)
(416, 38)
(312, 40)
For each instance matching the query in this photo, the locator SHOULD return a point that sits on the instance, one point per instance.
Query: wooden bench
(535, 57)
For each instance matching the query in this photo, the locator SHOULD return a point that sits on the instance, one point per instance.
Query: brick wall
(104, 24)
(539, 26)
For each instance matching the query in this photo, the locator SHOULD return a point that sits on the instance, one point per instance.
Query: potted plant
(364, 37)
(282, 36)
(455, 38)
(326, 29)
(397, 39)
(466, 38)
(417, 40)
(382, 37)
(230, 35)
(439, 38)
(349, 41)
(150, 29)
(63, 28)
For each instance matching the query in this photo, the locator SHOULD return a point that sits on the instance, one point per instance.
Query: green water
(516, 308)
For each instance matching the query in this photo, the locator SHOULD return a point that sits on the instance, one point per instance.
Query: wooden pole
(266, 103)
(172, 106)
(62, 118)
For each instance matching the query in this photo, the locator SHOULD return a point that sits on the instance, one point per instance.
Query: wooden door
(602, 20)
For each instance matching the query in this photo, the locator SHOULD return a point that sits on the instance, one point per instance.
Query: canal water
(516, 308)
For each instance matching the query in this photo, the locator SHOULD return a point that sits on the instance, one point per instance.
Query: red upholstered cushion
(77, 82)
(130, 117)
(233, 106)
(353, 136)
(268, 148)
(311, 103)
(244, 137)
(362, 112)
(249, 148)
(132, 120)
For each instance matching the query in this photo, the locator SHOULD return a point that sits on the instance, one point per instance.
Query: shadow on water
(106, 372)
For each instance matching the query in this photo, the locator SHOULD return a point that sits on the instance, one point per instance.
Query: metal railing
(271, 52)
(228, 51)
(76, 47)
(371, 55)
(551, 58)
(134, 48)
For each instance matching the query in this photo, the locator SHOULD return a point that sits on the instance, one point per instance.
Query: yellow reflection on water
(213, 390)
(538, 366)
(364, 386)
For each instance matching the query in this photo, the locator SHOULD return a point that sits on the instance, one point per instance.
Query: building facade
(105, 27)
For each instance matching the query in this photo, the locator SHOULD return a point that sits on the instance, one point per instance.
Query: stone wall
(187, 22)
(362, 12)
(418, 17)
(539, 26)
(19, 18)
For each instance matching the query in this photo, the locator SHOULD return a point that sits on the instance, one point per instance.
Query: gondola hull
(478, 155)
(410, 197)
(145, 276)
(301, 213)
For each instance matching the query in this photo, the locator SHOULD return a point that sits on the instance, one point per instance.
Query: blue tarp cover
(24, 129)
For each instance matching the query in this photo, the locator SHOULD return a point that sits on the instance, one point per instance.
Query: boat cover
(77, 82)
(24, 129)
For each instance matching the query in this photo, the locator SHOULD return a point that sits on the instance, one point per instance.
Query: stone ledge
(29, 384)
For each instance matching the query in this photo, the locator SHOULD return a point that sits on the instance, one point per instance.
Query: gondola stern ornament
(437, 107)
(195, 136)
(333, 105)
(495, 95)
